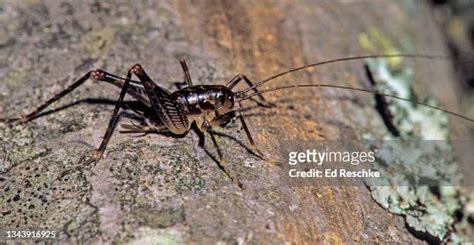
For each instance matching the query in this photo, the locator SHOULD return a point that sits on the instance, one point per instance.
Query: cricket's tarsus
(204, 106)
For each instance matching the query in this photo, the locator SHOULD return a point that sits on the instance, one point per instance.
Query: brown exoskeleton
(204, 106)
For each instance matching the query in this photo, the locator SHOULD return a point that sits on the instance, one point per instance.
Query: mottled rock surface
(169, 189)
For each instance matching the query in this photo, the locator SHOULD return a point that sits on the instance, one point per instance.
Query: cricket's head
(225, 99)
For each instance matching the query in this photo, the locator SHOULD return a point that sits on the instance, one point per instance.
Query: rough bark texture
(165, 188)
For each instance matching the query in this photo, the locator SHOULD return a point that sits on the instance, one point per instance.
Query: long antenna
(421, 56)
(245, 97)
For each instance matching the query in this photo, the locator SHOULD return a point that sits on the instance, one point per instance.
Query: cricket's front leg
(239, 78)
(223, 119)
(207, 127)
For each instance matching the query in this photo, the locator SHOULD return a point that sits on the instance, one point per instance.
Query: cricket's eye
(220, 97)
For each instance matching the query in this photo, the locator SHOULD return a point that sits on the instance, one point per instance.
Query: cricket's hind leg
(98, 75)
(142, 128)
(110, 128)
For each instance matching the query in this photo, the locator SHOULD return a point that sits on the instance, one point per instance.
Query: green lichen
(31, 196)
(420, 173)
(407, 190)
(160, 218)
(375, 41)
(15, 78)
(18, 145)
(392, 76)
(411, 119)
(99, 42)
(159, 237)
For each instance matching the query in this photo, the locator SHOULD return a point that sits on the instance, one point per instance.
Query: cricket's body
(203, 104)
